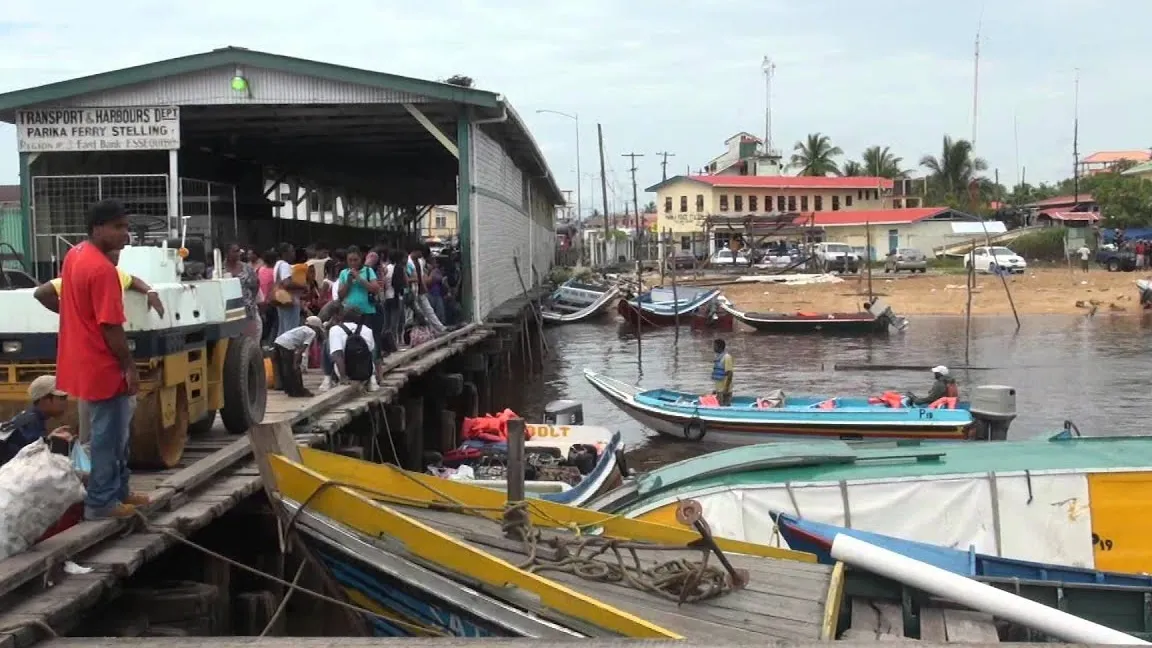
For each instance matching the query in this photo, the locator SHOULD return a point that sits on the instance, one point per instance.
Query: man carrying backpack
(352, 346)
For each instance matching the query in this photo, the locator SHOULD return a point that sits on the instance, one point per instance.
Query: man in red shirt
(94, 362)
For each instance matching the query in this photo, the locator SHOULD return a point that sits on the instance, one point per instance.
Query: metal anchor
(691, 513)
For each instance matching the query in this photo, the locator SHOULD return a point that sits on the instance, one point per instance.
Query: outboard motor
(564, 412)
(993, 409)
(882, 310)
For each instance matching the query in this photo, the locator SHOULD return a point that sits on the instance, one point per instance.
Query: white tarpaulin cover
(1041, 516)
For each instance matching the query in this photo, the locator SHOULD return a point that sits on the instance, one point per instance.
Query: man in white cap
(289, 348)
(47, 402)
(943, 387)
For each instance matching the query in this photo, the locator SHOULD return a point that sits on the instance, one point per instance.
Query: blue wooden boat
(663, 306)
(747, 420)
(575, 301)
(816, 538)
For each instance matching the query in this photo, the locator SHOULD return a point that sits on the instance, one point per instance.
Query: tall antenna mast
(769, 71)
(976, 78)
(1076, 137)
(1016, 143)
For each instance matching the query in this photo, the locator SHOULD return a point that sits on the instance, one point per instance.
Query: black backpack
(357, 355)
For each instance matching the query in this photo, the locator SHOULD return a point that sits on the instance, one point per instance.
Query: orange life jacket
(945, 402)
(709, 400)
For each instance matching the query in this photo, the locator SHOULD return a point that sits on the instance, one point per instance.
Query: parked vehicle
(683, 260)
(1116, 260)
(995, 257)
(909, 259)
(726, 257)
(837, 256)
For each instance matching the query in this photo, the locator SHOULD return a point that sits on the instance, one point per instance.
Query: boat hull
(862, 323)
(605, 476)
(644, 311)
(582, 311)
(816, 538)
(408, 600)
(701, 424)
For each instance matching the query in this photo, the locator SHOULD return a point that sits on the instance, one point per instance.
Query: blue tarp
(1131, 234)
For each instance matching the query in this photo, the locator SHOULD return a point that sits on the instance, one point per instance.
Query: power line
(664, 164)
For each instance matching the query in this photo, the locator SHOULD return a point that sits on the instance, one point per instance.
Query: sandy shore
(1043, 291)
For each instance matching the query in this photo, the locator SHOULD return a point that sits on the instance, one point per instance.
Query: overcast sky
(673, 75)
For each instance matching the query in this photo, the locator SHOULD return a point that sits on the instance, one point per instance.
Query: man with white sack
(40, 492)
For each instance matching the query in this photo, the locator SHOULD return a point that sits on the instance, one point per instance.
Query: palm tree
(880, 162)
(954, 170)
(852, 168)
(814, 156)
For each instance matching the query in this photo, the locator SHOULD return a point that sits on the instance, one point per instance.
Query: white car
(725, 257)
(991, 258)
(837, 256)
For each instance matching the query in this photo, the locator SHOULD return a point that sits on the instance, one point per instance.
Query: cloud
(673, 75)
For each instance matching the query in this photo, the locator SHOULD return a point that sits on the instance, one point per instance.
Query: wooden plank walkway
(371, 642)
(215, 474)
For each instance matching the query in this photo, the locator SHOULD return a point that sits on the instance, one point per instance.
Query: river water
(1095, 372)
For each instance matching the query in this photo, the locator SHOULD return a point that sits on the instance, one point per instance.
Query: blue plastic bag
(81, 462)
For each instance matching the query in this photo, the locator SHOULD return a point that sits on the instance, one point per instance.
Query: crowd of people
(345, 309)
(301, 302)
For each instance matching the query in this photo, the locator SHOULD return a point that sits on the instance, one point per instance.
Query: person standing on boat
(944, 387)
(722, 373)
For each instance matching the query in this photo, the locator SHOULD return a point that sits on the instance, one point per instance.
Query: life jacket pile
(491, 428)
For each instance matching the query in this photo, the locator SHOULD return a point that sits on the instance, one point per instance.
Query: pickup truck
(1116, 260)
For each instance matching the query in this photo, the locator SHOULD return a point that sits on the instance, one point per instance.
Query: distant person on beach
(944, 386)
(1085, 255)
(722, 373)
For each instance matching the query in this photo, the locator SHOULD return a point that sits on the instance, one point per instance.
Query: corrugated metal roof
(870, 216)
(783, 182)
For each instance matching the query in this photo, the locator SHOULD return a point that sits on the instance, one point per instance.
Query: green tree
(650, 208)
(852, 169)
(815, 156)
(951, 174)
(880, 162)
(1124, 201)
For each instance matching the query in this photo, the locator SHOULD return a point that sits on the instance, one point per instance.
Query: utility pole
(603, 178)
(664, 164)
(635, 198)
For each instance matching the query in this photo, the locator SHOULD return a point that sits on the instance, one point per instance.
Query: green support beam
(26, 160)
(464, 214)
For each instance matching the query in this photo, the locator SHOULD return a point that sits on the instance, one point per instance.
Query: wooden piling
(414, 432)
(515, 477)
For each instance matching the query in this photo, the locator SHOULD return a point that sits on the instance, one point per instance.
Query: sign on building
(140, 128)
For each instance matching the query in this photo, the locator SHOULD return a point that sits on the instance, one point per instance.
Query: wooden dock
(217, 473)
(357, 642)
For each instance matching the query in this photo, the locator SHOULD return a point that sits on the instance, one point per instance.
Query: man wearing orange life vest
(944, 387)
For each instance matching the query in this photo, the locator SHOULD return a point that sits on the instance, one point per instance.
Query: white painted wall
(517, 224)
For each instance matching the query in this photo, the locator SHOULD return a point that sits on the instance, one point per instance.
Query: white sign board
(140, 128)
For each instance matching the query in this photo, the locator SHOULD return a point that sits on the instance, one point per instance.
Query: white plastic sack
(36, 488)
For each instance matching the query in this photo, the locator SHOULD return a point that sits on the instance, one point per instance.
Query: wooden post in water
(671, 261)
(868, 254)
(514, 518)
(639, 318)
(970, 282)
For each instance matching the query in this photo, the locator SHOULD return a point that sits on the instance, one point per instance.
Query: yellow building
(683, 202)
(441, 222)
(1142, 171)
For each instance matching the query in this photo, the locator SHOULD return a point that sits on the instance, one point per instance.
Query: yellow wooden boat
(422, 556)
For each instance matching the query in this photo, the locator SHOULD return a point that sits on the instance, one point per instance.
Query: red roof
(1091, 217)
(1059, 201)
(873, 216)
(1111, 157)
(793, 182)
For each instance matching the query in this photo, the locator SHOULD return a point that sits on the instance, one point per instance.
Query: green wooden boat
(1065, 499)
(1127, 609)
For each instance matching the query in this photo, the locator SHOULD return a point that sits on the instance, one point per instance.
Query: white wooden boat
(575, 302)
